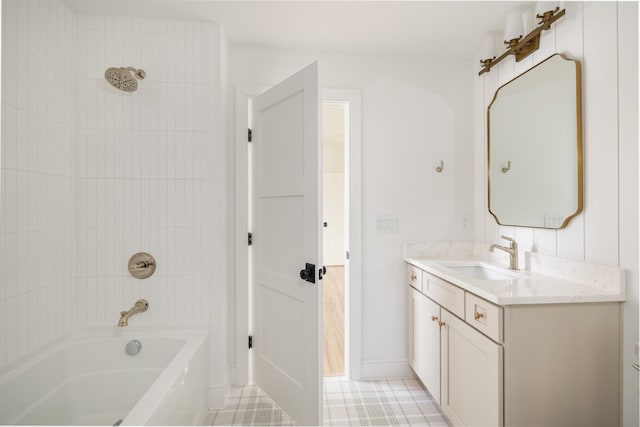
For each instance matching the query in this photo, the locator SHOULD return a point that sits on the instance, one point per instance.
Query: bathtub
(89, 379)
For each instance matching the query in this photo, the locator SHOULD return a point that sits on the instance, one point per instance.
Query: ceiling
(438, 28)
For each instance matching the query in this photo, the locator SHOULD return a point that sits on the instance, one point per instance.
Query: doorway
(351, 98)
(335, 217)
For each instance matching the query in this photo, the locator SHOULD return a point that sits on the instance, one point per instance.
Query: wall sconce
(488, 51)
(545, 10)
(514, 30)
(517, 44)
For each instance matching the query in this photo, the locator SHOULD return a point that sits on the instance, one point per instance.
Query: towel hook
(440, 167)
(506, 169)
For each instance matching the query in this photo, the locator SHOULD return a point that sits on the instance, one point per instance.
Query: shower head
(123, 78)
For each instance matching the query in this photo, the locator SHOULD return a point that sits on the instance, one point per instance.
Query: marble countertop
(524, 287)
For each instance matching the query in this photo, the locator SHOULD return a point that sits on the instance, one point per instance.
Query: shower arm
(138, 73)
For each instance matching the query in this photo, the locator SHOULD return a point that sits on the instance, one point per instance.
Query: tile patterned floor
(249, 406)
(400, 402)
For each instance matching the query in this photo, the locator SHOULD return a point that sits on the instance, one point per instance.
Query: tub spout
(140, 306)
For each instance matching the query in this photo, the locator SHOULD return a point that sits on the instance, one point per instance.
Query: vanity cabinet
(535, 364)
(459, 366)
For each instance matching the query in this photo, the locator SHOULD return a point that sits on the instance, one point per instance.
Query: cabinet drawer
(444, 293)
(415, 276)
(484, 316)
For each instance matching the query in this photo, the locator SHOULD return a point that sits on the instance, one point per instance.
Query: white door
(287, 310)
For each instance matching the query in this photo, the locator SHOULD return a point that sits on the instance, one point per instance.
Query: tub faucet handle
(142, 265)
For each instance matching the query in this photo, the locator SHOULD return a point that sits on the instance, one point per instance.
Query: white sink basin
(480, 272)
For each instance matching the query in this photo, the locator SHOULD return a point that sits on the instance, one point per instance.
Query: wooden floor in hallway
(333, 321)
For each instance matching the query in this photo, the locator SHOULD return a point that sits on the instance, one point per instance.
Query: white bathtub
(91, 380)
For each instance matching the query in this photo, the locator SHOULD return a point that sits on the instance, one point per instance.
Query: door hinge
(346, 254)
(250, 341)
(249, 134)
(250, 239)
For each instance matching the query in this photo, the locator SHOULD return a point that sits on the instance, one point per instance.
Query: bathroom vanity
(502, 348)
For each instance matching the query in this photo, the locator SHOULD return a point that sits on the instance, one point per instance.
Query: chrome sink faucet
(512, 250)
(140, 306)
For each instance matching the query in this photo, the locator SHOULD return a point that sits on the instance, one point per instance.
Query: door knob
(308, 273)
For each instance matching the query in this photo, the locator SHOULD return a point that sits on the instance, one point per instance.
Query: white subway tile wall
(37, 175)
(91, 175)
(141, 172)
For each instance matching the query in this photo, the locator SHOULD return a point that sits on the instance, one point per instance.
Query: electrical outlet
(463, 222)
(553, 221)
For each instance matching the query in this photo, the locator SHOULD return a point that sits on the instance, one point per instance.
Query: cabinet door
(424, 341)
(471, 375)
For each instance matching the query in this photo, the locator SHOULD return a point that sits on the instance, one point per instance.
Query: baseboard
(383, 369)
(216, 397)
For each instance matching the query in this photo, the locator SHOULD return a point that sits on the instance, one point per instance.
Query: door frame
(240, 297)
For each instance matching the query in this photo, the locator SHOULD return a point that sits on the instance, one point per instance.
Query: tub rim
(92, 334)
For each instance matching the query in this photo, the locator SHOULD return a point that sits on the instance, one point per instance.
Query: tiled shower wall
(91, 175)
(142, 171)
(37, 194)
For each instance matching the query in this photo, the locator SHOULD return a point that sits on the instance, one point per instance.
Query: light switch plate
(387, 224)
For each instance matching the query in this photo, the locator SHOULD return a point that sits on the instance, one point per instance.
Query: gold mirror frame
(536, 124)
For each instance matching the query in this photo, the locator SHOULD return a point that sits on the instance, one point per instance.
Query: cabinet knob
(413, 277)
(434, 318)
(478, 316)
(441, 324)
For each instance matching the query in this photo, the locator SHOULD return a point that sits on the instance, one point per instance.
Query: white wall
(144, 171)
(416, 112)
(604, 37)
(220, 239)
(37, 194)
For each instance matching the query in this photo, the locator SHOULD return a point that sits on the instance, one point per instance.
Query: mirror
(535, 146)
